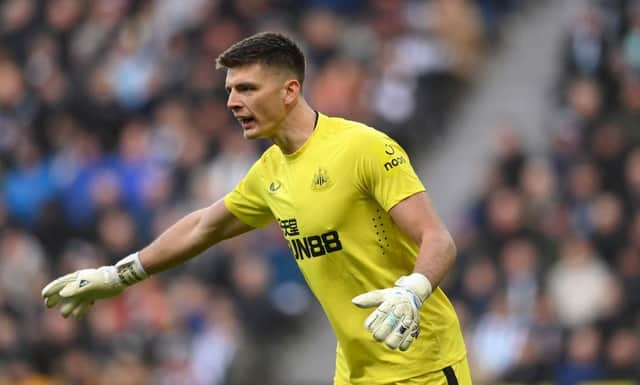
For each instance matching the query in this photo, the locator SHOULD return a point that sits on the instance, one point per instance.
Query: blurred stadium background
(522, 117)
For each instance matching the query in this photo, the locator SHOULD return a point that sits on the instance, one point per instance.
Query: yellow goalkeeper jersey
(331, 199)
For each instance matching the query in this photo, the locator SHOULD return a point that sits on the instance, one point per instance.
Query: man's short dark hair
(268, 48)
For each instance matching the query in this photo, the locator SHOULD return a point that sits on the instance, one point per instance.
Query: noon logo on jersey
(395, 161)
(388, 149)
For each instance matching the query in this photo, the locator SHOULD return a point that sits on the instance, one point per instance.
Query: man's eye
(246, 88)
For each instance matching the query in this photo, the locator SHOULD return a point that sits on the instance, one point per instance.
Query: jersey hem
(383, 381)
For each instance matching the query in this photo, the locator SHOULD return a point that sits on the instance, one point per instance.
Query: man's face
(256, 98)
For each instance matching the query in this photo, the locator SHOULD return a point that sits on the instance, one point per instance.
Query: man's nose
(232, 101)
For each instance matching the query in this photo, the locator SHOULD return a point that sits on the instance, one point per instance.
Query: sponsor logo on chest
(308, 246)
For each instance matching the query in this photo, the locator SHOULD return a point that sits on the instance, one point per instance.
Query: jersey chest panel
(312, 201)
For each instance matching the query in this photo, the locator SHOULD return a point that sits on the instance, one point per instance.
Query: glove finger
(398, 334)
(411, 335)
(374, 320)
(81, 309)
(372, 298)
(377, 317)
(52, 300)
(404, 345)
(54, 286)
(67, 306)
(386, 326)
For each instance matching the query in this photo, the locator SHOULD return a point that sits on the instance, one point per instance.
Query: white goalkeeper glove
(396, 320)
(77, 291)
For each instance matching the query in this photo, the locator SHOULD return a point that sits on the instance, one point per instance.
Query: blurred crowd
(548, 280)
(113, 125)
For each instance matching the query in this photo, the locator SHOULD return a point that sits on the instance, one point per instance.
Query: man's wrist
(418, 283)
(130, 270)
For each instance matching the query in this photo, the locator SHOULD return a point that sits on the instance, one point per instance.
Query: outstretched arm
(77, 291)
(190, 236)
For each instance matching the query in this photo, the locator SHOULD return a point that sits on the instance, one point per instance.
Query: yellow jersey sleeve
(246, 201)
(384, 171)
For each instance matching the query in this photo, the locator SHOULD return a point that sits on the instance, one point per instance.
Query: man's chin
(251, 133)
(255, 132)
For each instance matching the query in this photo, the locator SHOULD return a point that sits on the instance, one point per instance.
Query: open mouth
(246, 122)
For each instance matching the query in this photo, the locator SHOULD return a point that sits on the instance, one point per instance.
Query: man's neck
(296, 128)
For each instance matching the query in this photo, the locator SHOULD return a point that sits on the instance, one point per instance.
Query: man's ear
(291, 91)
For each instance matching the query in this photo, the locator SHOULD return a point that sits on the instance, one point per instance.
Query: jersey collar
(314, 134)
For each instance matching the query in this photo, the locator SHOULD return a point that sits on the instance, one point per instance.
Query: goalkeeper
(355, 215)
